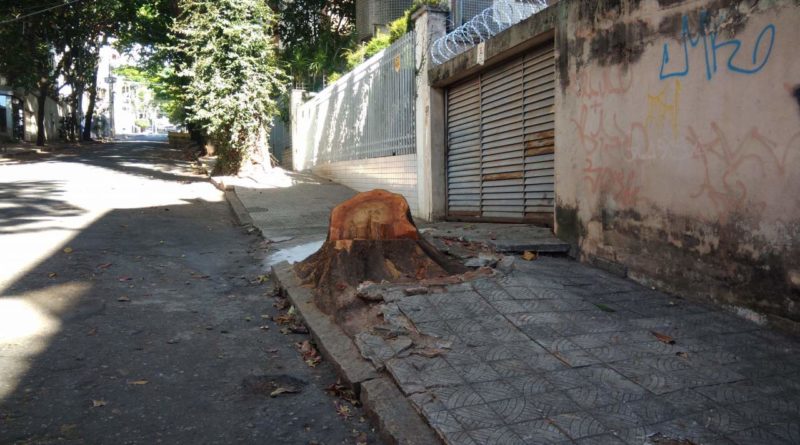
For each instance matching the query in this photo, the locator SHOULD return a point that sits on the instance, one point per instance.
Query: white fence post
(298, 141)
(429, 24)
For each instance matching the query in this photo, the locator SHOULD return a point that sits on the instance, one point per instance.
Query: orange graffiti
(756, 151)
(588, 85)
(619, 182)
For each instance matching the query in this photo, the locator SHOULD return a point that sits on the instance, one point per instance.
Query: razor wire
(491, 21)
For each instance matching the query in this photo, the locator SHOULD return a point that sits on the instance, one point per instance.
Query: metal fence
(280, 137)
(368, 113)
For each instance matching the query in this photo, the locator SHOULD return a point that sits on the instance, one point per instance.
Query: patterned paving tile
(578, 425)
(618, 417)
(789, 430)
(531, 385)
(517, 410)
(686, 428)
(511, 368)
(508, 306)
(723, 421)
(443, 421)
(539, 432)
(458, 438)
(589, 397)
(550, 404)
(495, 390)
(478, 372)
(545, 362)
(603, 439)
(500, 435)
(476, 417)
(758, 436)
(654, 410)
(454, 397)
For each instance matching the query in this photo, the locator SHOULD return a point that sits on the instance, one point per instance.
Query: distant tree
(226, 56)
(314, 36)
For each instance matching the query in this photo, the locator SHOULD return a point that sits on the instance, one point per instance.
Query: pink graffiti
(588, 85)
(722, 162)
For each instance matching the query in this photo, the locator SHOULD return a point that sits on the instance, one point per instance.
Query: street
(134, 310)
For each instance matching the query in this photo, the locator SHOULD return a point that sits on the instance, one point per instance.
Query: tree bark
(41, 101)
(87, 123)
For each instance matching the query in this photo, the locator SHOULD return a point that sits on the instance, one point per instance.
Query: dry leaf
(123, 299)
(663, 338)
(92, 332)
(342, 409)
(104, 266)
(283, 390)
(529, 256)
(52, 275)
(138, 382)
(98, 403)
(68, 250)
(682, 354)
(361, 439)
(125, 278)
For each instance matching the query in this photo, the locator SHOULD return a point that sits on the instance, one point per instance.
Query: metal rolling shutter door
(501, 141)
(464, 150)
(539, 135)
(502, 155)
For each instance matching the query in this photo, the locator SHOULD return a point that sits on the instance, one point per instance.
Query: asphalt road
(131, 312)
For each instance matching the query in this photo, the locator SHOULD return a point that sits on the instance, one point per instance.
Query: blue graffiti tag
(711, 47)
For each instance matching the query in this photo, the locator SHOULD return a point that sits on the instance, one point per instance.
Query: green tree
(314, 35)
(228, 60)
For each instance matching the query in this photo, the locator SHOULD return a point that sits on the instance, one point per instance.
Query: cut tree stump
(371, 237)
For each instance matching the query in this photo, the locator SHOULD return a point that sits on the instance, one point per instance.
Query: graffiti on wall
(719, 53)
(733, 170)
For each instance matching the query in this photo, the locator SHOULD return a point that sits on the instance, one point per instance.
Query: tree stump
(371, 237)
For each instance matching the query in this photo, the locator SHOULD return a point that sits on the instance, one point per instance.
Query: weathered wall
(678, 145)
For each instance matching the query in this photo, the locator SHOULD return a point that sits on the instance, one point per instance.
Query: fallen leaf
(264, 327)
(309, 353)
(663, 338)
(98, 403)
(361, 439)
(604, 308)
(92, 332)
(283, 390)
(123, 299)
(430, 353)
(104, 266)
(272, 350)
(125, 278)
(68, 250)
(529, 256)
(343, 392)
(261, 279)
(283, 319)
(248, 318)
(52, 275)
(342, 409)
(138, 382)
(298, 329)
(682, 354)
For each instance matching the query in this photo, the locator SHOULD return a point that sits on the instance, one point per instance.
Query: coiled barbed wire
(492, 20)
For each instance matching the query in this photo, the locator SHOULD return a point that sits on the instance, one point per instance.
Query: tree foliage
(227, 59)
(314, 36)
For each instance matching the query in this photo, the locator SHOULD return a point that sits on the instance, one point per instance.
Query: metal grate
(368, 113)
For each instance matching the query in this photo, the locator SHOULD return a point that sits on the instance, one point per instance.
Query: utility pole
(110, 80)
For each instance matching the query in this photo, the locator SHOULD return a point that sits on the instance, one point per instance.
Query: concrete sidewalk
(554, 351)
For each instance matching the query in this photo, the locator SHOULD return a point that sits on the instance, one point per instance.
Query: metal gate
(500, 142)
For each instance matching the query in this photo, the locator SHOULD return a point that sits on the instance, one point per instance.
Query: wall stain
(622, 44)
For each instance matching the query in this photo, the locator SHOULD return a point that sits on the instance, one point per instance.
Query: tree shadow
(25, 203)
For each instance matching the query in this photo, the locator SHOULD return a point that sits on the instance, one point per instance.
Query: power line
(38, 12)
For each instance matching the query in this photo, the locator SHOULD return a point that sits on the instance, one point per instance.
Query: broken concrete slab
(500, 237)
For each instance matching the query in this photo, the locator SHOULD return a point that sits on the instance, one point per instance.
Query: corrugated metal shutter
(501, 142)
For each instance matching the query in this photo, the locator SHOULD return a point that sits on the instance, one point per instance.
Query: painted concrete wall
(398, 174)
(678, 146)
(52, 114)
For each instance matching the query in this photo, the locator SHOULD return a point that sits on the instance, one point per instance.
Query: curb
(238, 209)
(391, 413)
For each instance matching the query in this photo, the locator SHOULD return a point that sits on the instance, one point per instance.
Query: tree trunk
(41, 101)
(87, 124)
